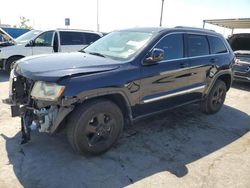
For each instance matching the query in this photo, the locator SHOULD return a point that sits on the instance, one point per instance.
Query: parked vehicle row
(124, 76)
(47, 42)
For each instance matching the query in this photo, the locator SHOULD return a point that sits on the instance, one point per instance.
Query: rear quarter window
(197, 45)
(77, 38)
(217, 45)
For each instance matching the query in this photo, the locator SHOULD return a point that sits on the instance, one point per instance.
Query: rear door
(43, 43)
(200, 60)
(205, 53)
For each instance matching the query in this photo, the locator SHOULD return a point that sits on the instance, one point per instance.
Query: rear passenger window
(172, 46)
(91, 37)
(217, 45)
(72, 38)
(197, 45)
(77, 38)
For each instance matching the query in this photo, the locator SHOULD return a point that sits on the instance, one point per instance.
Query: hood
(55, 66)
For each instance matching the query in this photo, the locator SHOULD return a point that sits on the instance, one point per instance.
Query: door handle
(183, 65)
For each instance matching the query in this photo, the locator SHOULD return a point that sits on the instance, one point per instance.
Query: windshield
(27, 36)
(119, 45)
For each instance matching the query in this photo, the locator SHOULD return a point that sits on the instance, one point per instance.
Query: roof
(164, 29)
(77, 30)
(236, 23)
(146, 29)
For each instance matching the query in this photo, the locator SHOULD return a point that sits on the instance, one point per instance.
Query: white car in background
(52, 41)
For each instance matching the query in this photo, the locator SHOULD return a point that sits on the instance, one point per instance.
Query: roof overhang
(237, 23)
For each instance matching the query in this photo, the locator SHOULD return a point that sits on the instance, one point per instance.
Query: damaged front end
(39, 104)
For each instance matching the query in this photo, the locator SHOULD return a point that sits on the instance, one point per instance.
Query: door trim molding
(174, 94)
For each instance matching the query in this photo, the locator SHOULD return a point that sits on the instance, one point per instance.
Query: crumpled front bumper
(46, 117)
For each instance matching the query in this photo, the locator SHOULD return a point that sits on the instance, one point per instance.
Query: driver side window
(45, 39)
(172, 45)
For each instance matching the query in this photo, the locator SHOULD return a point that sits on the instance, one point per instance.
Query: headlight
(47, 91)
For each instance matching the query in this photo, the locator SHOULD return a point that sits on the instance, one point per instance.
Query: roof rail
(202, 29)
(75, 29)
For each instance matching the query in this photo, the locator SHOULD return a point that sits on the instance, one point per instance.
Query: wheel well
(15, 57)
(7, 64)
(118, 99)
(227, 79)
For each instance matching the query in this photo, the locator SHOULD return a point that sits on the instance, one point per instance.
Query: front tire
(10, 63)
(94, 126)
(215, 99)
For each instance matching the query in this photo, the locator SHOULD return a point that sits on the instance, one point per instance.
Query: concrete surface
(180, 148)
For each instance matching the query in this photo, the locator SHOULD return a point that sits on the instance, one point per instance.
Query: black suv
(122, 77)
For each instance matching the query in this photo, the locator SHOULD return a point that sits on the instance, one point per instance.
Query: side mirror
(30, 43)
(154, 56)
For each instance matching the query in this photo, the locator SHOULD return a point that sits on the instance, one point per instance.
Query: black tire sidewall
(80, 140)
(212, 108)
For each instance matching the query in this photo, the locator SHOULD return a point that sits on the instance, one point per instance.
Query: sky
(120, 14)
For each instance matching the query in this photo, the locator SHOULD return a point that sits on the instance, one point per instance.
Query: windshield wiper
(96, 53)
(82, 50)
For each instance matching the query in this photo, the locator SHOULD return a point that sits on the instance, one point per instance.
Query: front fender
(107, 93)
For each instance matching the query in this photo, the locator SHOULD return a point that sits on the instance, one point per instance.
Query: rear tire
(94, 126)
(215, 99)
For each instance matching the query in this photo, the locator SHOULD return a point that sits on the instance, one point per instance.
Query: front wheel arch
(118, 97)
(81, 116)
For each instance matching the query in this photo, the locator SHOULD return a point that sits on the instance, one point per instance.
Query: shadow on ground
(4, 76)
(167, 142)
(241, 85)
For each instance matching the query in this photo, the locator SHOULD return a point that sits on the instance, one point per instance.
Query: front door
(43, 43)
(166, 83)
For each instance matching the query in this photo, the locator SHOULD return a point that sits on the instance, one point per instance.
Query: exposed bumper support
(25, 127)
(28, 117)
(47, 120)
(62, 113)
